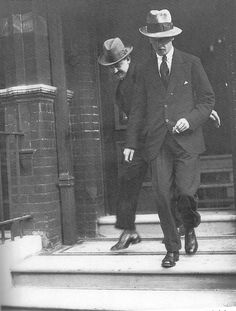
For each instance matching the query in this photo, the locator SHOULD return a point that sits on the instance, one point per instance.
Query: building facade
(61, 134)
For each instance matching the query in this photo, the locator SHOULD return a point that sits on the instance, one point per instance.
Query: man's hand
(128, 154)
(181, 126)
(215, 117)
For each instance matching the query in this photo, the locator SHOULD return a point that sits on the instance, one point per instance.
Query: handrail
(13, 223)
(6, 222)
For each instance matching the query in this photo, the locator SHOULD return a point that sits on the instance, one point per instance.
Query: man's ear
(128, 59)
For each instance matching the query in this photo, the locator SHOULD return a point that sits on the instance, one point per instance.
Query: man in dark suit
(173, 99)
(116, 57)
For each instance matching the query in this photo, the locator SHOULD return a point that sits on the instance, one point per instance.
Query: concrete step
(215, 162)
(208, 271)
(214, 223)
(213, 245)
(35, 299)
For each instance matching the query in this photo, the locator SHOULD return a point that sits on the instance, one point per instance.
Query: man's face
(161, 45)
(119, 70)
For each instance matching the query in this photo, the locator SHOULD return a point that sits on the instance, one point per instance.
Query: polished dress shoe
(170, 259)
(126, 238)
(191, 244)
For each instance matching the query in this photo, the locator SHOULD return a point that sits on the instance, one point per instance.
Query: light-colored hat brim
(102, 59)
(175, 31)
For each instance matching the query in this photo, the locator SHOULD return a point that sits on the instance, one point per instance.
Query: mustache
(120, 74)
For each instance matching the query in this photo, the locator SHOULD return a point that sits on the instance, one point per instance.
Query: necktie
(164, 71)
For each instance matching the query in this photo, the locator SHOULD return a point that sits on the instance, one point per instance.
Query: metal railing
(5, 180)
(16, 226)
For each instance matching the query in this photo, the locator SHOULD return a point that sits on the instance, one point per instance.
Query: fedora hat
(159, 25)
(113, 52)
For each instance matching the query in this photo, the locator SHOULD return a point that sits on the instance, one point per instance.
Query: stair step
(203, 185)
(216, 203)
(33, 299)
(216, 215)
(213, 245)
(216, 185)
(214, 223)
(208, 271)
(207, 170)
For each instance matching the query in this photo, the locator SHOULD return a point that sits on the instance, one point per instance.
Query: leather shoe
(125, 240)
(170, 259)
(191, 244)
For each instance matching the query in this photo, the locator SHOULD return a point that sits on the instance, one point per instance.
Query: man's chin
(120, 77)
(161, 52)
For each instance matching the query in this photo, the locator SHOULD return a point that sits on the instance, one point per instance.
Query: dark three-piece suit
(174, 157)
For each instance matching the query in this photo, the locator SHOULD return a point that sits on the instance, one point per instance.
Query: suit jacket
(189, 95)
(125, 90)
(124, 96)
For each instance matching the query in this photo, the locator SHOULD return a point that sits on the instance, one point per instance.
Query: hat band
(115, 56)
(160, 27)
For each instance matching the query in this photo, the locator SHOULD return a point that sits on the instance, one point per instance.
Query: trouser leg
(175, 212)
(130, 184)
(162, 181)
(187, 180)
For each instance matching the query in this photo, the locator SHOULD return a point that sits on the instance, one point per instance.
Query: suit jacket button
(165, 106)
(167, 120)
(171, 94)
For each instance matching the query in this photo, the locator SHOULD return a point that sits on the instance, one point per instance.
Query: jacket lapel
(154, 76)
(176, 76)
(125, 84)
(177, 72)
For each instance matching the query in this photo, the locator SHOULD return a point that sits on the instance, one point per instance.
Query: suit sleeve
(205, 98)
(137, 114)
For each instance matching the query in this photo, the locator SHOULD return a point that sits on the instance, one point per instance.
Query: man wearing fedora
(173, 99)
(116, 57)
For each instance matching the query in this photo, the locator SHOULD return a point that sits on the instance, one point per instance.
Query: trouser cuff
(187, 205)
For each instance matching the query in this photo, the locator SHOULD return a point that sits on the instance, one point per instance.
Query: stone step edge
(154, 219)
(139, 253)
(101, 238)
(199, 264)
(62, 250)
(122, 300)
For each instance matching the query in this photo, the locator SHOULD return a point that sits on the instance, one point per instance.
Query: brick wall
(32, 159)
(30, 164)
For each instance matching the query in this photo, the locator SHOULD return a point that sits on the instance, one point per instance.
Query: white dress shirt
(169, 57)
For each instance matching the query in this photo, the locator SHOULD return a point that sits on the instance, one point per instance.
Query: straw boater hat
(113, 52)
(159, 25)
